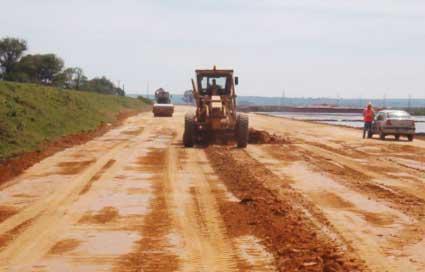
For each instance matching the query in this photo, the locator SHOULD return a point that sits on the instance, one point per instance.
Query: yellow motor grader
(215, 115)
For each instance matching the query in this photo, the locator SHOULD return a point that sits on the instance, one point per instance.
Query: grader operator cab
(215, 115)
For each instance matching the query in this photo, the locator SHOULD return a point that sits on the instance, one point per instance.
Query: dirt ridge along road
(374, 203)
(274, 215)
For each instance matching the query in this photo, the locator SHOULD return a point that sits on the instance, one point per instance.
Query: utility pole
(282, 99)
(409, 102)
(147, 90)
(384, 102)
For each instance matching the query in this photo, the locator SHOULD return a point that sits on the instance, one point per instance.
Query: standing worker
(368, 116)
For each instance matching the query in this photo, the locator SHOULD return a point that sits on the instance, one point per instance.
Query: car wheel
(382, 135)
(397, 137)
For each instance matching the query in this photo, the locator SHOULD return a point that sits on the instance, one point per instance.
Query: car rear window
(398, 114)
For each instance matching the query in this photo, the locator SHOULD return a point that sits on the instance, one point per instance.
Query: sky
(306, 48)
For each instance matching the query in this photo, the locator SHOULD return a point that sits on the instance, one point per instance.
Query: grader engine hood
(219, 119)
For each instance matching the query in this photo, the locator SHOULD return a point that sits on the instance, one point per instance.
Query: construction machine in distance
(162, 106)
(215, 115)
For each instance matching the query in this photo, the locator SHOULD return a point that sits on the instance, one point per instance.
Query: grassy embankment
(32, 114)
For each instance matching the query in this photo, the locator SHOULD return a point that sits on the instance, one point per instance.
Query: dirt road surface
(134, 199)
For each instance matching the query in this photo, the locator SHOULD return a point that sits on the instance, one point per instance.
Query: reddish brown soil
(6, 212)
(356, 180)
(105, 215)
(73, 167)
(296, 243)
(64, 246)
(134, 132)
(9, 236)
(97, 176)
(150, 254)
(263, 137)
(15, 166)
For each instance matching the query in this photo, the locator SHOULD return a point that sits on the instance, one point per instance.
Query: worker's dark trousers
(367, 127)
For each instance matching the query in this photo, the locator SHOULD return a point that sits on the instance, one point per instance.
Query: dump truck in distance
(162, 106)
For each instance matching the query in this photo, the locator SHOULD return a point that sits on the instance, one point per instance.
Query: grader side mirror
(236, 80)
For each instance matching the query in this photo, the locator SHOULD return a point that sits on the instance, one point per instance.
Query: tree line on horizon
(47, 69)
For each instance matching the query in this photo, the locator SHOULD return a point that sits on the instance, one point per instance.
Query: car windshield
(398, 114)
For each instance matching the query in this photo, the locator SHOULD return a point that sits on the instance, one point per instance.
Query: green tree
(39, 68)
(102, 85)
(11, 50)
(64, 78)
(71, 78)
(79, 78)
(119, 92)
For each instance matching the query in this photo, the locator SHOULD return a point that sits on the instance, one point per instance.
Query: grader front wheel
(189, 130)
(242, 130)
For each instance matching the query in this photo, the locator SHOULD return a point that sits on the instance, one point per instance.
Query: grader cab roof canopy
(214, 72)
(221, 78)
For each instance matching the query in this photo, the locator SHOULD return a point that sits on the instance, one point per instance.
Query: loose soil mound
(263, 137)
(294, 240)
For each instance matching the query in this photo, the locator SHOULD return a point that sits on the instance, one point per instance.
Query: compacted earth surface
(300, 197)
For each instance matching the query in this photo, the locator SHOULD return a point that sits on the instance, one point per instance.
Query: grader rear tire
(242, 130)
(189, 130)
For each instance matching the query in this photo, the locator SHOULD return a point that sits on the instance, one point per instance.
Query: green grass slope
(32, 114)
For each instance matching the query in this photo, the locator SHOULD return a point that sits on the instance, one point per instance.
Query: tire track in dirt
(152, 251)
(381, 229)
(196, 216)
(97, 176)
(294, 240)
(363, 178)
(405, 194)
(113, 216)
(183, 215)
(34, 242)
(49, 204)
(92, 224)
